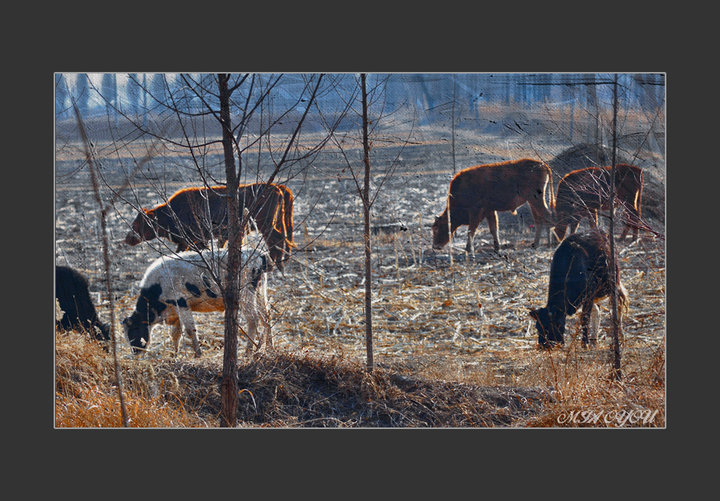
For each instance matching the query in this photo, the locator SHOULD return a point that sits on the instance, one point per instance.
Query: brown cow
(582, 192)
(477, 193)
(193, 216)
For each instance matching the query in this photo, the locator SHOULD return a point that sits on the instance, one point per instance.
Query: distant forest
(431, 96)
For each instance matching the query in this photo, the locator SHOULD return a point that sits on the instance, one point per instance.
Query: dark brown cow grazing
(580, 274)
(194, 216)
(582, 192)
(477, 193)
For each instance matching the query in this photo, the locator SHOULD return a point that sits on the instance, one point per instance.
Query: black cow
(73, 296)
(580, 275)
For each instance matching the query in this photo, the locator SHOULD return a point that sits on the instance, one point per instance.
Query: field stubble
(451, 331)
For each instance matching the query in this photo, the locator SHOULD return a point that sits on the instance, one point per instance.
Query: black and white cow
(73, 297)
(176, 285)
(580, 275)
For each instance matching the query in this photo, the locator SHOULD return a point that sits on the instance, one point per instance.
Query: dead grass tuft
(86, 394)
(584, 393)
(276, 390)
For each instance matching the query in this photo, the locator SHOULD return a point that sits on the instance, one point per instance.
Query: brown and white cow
(477, 193)
(193, 216)
(582, 192)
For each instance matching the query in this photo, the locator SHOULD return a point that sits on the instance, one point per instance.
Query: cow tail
(638, 199)
(552, 191)
(623, 300)
(288, 216)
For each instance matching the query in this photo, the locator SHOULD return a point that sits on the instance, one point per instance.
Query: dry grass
(453, 348)
(276, 390)
(302, 390)
(86, 392)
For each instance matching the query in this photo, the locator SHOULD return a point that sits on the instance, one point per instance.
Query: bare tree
(617, 372)
(196, 110)
(231, 292)
(106, 260)
(367, 196)
(366, 220)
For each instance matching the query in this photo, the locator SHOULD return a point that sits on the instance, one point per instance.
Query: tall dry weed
(85, 395)
(584, 392)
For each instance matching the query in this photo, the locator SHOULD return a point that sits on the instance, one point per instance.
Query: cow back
(500, 186)
(580, 270)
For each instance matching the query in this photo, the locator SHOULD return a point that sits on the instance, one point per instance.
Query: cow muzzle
(132, 239)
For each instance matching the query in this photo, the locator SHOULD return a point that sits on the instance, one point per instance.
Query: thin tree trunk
(229, 387)
(366, 214)
(106, 261)
(452, 143)
(617, 372)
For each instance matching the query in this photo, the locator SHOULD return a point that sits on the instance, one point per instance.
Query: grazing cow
(175, 286)
(193, 216)
(477, 193)
(580, 275)
(582, 192)
(73, 296)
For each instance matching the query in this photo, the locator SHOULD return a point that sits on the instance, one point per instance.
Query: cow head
(143, 228)
(550, 327)
(440, 232)
(148, 311)
(137, 331)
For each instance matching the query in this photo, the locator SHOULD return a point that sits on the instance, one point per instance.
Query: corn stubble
(454, 347)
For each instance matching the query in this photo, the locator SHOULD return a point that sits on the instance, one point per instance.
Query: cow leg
(632, 221)
(474, 218)
(626, 228)
(186, 319)
(594, 324)
(585, 321)
(539, 221)
(264, 311)
(249, 309)
(175, 334)
(255, 309)
(636, 224)
(590, 323)
(493, 225)
(252, 334)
